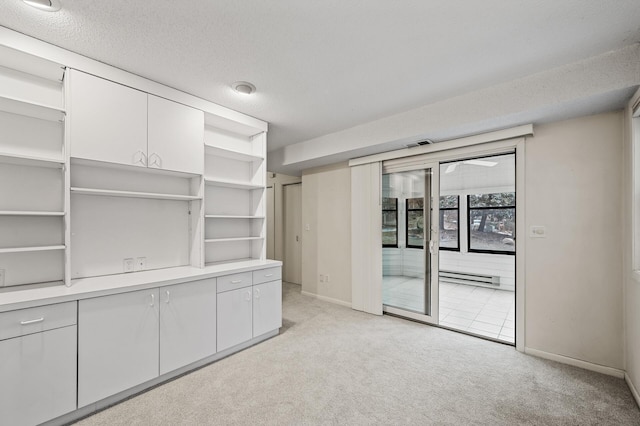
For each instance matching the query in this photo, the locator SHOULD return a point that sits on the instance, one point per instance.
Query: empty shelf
(232, 183)
(226, 240)
(234, 155)
(31, 109)
(224, 216)
(133, 194)
(30, 249)
(29, 213)
(30, 160)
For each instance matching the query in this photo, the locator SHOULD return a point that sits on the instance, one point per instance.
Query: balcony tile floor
(477, 310)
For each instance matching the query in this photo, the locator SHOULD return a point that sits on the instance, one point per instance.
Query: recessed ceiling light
(46, 5)
(243, 87)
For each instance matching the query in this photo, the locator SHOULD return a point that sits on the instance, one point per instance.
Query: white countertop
(84, 288)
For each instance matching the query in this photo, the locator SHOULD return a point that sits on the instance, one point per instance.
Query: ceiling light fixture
(243, 87)
(46, 5)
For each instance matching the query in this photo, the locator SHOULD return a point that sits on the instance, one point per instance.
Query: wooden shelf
(29, 213)
(32, 109)
(228, 153)
(30, 160)
(232, 183)
(133, 194)
(226, 240)
(224, 216)
(30, 249)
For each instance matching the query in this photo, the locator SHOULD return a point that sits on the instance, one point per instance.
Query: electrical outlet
(1, 277)
(129, 264)
(141, 263)
(321, 278)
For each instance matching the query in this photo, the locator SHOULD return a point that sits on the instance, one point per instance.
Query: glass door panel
(406, 237)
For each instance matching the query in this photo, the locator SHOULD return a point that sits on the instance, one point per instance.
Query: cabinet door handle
(168, 294)
(257, 293)
(247, 296)
(268, 275)
(153, 299)
(140, 157)
(236, 281)
(33, 321)
(155, 160)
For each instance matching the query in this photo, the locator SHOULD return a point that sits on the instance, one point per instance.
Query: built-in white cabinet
(139, 200)
(175, 138)
(118, 343)
(235, 312)
(116, 124)
(249, 305)
(32, 173)
(187, 323)
(267, 300)
(108, 120)
(38, 364)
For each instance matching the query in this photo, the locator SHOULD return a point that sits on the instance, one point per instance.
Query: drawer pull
(236, 281)
(268, 275)
(32, 321)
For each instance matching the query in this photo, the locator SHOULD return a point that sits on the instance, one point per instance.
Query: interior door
(293, 233)
(409, 252)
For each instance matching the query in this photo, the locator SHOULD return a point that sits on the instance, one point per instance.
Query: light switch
(307, 227)
(537, 232)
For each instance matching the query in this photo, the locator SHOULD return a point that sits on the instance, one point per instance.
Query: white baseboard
(610, 371)
(327, 299)
(633, 389)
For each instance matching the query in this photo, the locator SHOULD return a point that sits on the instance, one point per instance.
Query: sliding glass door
(408, 265)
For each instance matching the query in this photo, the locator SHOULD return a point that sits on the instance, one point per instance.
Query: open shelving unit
(33, 196)
(143, 213)
(235, 174)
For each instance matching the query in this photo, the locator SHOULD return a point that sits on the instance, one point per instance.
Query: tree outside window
(449, 217)
(415, 222)
(492, 223)
(389, 222)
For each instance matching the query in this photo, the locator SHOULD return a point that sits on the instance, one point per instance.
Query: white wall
(574, 275)
(326, 244)
(632, 279)
(574, 278)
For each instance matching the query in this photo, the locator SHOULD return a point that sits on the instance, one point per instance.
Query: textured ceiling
(321, 67)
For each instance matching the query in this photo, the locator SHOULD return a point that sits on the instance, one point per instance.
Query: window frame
(469, 225)
(444, 209)
(396, 212)
(406, 222)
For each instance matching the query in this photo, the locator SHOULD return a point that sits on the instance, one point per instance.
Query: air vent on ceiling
(414, 144)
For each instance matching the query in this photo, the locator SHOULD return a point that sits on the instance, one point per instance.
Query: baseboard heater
(469, 278)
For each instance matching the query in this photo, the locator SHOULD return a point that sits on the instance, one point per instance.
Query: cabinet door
(234, 318)
(267, 307)
(108, 121)
(176, 136)
(38, 376)
(118, 343)
(187, 323)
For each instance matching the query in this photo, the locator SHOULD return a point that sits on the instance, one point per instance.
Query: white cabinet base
(40, 374)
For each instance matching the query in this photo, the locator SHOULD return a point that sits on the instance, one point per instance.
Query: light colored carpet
(333, 365)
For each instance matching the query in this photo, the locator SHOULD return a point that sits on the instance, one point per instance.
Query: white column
(366, 238)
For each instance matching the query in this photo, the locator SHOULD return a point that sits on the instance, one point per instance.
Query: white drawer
(266, 275)
(235, 281)
(34, 320)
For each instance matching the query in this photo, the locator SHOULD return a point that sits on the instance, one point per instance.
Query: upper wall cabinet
(176, 134)
(109, 121)
(117, 124)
